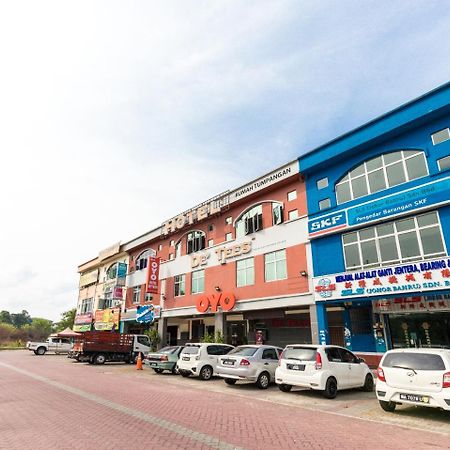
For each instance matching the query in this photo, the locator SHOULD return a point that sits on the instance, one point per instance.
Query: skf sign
(327, 224)
(152, 275)
(225, 300)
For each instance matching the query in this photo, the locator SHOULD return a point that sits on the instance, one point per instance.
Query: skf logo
(325, 288)
(327, 223)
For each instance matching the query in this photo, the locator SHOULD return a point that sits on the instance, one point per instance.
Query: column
(220, 325)
(314, 324)
(322, 323)
(162, 331)
(347, 328)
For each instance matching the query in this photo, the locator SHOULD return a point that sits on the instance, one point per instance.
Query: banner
(412, 304)
(152, 275)
(144, 314)
(121, 270)
(107, 319)
(81, 319)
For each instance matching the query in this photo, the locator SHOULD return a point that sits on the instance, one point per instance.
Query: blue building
(379, 224)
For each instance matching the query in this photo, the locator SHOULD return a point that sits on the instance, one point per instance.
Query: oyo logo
(225, 300)
(154, 271)
(325, 288)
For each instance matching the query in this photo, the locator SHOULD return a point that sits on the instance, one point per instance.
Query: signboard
(118, 292)
(121, 270)
(144, 314)
(434, 193)
(89, 278)
(82, 328)
(412, 304)
(107, 319)
(152, 275)
(401, 279)
(83, 318)
(225, 300)
(223, 254)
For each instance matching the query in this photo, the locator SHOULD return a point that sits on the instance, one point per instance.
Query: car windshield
(414, 361)
(300, 353)
(191, 349)
(243, 351)
(168, 350)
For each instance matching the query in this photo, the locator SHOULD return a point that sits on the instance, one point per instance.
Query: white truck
(52, 344)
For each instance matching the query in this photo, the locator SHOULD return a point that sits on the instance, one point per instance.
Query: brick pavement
(94, 407)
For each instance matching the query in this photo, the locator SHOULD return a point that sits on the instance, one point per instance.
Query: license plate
(153, 364)
(296, 366)
(415, 398)
(228, 362)
(185, 358)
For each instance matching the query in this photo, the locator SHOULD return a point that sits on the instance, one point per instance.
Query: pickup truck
(52, 344)
(98, 347)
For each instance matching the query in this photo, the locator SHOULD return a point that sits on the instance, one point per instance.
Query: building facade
(379, 225)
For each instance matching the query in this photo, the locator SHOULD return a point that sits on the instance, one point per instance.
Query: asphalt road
(51, 402)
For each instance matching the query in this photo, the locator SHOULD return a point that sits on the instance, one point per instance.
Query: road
(51, 402)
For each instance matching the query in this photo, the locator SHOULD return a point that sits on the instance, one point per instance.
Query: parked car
(326, 368)
(164, 359)
(256, 363)
(201, 359)
(419, 377)
(52, 344)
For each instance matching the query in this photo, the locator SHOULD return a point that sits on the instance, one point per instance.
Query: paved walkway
(53, 403)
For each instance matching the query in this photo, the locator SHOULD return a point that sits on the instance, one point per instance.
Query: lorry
(98, 347)
(52, 344)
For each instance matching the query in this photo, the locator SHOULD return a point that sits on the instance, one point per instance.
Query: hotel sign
(223, 254)
(401, 279)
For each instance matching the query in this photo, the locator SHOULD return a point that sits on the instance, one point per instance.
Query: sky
(115, 116)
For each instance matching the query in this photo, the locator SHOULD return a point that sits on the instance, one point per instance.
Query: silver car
(256, 363)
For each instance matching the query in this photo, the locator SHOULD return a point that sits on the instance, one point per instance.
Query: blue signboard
(145, 314)
(121, 270)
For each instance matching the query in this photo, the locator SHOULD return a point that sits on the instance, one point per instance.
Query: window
(179, 285)
(111, 273)
(395, 242)
(291, 195)
(198, 281)
(444, 163)
(87, 305)
(275, 265)
(178, 249)
(195, 241)
(160, 247)
(245, 272)
(414, 361)
(229, 237)
(440, 136)
(172, 243)
(382, 172)
(293, 214)
(324, 204)
(269, 353)
(107, 300)
(171, 256)
(277, 213)
(143, 340)
(210, 242)
(322, 183)
(229, 220)
(211, 227)
(136, 294)
(250, 222)
(142, 260)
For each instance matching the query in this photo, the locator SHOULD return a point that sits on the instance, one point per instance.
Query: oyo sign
(153, 275)
(225, 300)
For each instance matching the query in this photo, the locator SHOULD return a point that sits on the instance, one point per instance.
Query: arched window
(381, 172)
(196, 240)
(249, 222)
(142, 259)
(111, 273)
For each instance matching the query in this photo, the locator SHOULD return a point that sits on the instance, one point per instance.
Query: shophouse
(379, 224)
(236, 264)
(102, 290)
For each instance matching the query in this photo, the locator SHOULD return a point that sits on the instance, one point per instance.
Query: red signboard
(152, 275)
(226, 301)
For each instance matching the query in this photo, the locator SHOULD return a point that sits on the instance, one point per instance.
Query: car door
(53, 344)
(337, 367)
(270, 361)
(356, 369)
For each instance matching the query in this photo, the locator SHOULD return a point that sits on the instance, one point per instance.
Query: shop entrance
(172, 332)
(237, 333)
(420, 330)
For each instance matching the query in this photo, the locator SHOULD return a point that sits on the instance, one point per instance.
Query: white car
(414, 376)
(326, 368)
(201, 359)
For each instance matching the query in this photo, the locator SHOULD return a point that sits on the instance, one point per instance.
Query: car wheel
(40, 351)
(99, 359)
(185, 374)
(263, 380)
(368, 383)
(230, 381)
(285, 387)
(387, 406)
(330, 388)
(35, 352)
(158, 370)
(175, 370)
(206, 373)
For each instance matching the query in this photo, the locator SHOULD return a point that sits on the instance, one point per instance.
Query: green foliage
(67, 320)
(20, 319)
(5, 317)
(154, 337)
(39, 329)
(22, 328)
(219, 338)
(210, 338)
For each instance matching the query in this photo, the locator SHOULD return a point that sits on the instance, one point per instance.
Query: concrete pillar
(347, 329)
(322, 323)
(220, 325)
(162, 331)
(314, 324)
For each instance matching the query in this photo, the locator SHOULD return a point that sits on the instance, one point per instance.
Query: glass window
(172, 242)
(210, 242)
(243, 351)
(414, 361)
(440, 136)
(196, 241)
(198, 281)
(444, 163)
(277, 213)
(142, 259)
(324, 204)
(291, 195)
(228, 237)
(179, 285)
(136, 294)
(275, 266)
(112, 272)
(160, 247)
(229, 220)
(87, 305)
(245, 272)
(269, 353)
(322, 183)
(398, 241)
(300, 353)
(171, 256)
(382, 172)
(293, 214)
(250, 222)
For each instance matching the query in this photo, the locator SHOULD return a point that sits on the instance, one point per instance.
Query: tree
(5, 317)
(67, 320)
(21, 319)
(39, 329)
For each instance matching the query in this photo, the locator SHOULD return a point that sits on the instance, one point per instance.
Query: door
(338, 367)
(270, 361)
(356, 369)
(172, 333)
(237, 333)
(53, 344)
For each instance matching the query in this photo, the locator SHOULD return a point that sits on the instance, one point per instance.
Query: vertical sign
(152, 275)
